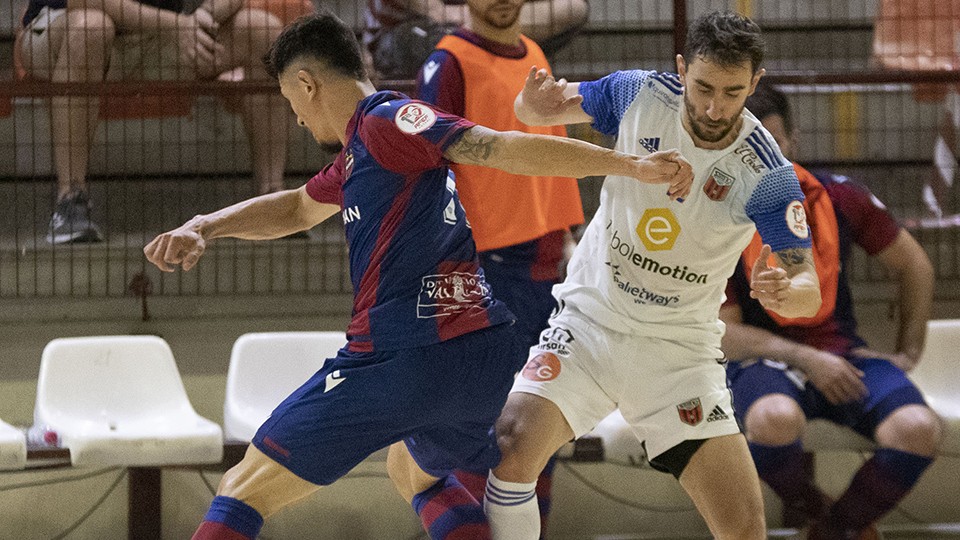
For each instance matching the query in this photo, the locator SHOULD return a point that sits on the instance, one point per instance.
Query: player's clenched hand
(543, 94)
(667, 167)
(182, 246)
(836, 378)
(768, 284)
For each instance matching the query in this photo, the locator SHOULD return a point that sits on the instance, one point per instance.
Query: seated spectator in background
(86, 41)
(477, 72)
(785, 371)
(402, 33)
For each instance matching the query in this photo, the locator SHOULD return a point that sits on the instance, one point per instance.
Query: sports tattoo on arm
(795, 260)
(474, 147)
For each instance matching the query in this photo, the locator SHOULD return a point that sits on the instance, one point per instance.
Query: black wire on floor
(621, 500)
(24, 485)
(96, 506)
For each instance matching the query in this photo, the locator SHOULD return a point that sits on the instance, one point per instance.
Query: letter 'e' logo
(658, 229)
(542, 367)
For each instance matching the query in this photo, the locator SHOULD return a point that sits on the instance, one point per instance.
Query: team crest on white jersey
(414, 118)
(718, 185)
(797, 220)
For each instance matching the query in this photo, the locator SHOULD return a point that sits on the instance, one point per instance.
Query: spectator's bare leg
(75, 48)
(83, 57)
(247, 37)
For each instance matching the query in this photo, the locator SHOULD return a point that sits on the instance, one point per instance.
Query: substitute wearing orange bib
(504, 209)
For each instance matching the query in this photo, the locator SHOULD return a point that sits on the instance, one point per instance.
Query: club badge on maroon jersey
(691, 412)
(415, 118)
(718, 185)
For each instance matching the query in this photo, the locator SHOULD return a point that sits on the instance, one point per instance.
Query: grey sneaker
(71, 221)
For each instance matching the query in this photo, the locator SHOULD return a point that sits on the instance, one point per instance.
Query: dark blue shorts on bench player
(442, 400)
(888, 387)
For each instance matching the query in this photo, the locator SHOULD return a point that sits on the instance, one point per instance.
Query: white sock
(512, 509)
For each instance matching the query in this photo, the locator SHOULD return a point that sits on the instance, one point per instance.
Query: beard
(696, 123)
(497, 17)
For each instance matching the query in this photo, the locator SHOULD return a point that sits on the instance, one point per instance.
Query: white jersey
(658, 267)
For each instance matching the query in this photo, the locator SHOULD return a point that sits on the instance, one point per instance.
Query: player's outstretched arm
(261, 218)
(545, 101)
(790, 290)
(543, 155)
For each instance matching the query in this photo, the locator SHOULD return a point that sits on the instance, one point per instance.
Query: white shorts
(666, 394)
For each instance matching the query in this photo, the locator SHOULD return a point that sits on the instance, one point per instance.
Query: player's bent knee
(774, 420)
(912, 428)
(530, 429)
(90, 25)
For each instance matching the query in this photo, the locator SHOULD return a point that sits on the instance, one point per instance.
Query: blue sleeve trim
(607, 99)
(669, 80)
(770, 157)
(768, 204)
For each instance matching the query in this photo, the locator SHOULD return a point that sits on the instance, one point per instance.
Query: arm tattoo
(795, 259)
(474, 148)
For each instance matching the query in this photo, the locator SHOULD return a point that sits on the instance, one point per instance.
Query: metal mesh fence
(871, 84)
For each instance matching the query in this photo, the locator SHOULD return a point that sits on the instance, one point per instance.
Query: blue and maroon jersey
(861, 219)
(413, 263)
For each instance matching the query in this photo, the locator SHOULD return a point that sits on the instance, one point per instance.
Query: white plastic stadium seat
(13, 447)
(937, 374)
(119, 400)
(267, 367)
(620, 443)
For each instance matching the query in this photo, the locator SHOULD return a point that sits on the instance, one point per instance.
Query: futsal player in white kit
(637, 325)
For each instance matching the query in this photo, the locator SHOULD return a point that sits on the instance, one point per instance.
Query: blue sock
(878, 486)
(229, 519)
(449, 512)
(784, 469)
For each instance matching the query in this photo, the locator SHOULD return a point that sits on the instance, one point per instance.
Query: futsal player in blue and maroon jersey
(791, 370)
(430, 354)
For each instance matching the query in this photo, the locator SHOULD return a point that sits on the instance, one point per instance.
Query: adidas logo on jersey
(652, 144)
(717, 414)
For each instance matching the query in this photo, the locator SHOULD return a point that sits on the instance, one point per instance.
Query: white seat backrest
(938, 371)
(120, 377)
(266, 367)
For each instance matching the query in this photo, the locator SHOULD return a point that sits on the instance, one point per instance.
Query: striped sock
(512, 509)
(449, 512)
(544, 486)
(784, 469)
(476, 484)
(229, 519)
(877, 487)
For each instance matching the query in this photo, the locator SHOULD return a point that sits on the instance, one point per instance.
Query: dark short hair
(320, 35)
(726, 38)
(766, 101)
